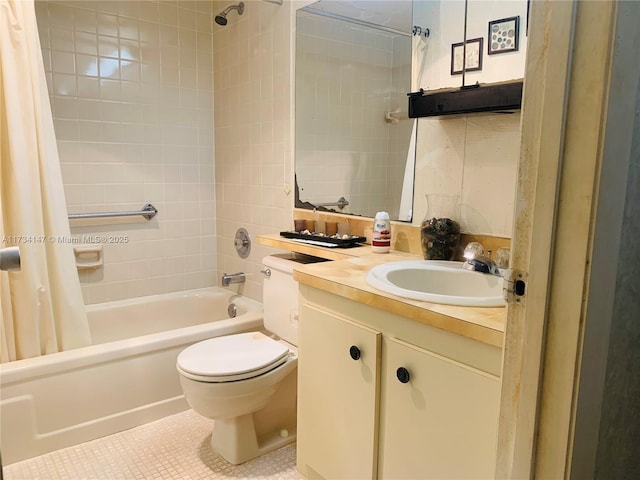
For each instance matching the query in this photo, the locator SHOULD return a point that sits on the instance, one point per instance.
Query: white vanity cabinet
(438, 418)
(337, 400)
(409, 403)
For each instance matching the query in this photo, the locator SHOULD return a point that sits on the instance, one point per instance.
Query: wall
(348, 78)
(476, 158)
(617, 450)
(607, 409)
(253, 122)
(131, 91)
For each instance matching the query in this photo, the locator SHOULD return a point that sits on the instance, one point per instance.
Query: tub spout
(229, 278)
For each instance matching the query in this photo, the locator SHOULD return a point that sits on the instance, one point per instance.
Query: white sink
(437, 281)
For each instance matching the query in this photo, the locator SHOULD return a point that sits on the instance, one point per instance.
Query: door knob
(355, 352)
(403, 375)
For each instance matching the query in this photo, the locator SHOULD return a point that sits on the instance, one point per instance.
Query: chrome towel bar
(148, 212)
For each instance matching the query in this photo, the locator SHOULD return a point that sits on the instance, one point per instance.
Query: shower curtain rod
(362, 23)
(148, 212)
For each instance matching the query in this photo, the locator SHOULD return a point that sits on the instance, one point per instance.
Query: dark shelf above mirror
(485, 97)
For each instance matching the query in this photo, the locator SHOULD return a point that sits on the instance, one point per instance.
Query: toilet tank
(280, 294)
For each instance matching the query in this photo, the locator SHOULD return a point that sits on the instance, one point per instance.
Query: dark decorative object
(440, 234)
(503, 35)
(439, 238)
(473, 55)
(488, 97)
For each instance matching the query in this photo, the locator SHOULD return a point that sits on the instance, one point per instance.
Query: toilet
(247, 382)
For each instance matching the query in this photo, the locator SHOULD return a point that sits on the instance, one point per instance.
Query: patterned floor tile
(173, 448)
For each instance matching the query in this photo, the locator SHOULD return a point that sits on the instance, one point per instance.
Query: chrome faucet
(229, 278)
(480, 263)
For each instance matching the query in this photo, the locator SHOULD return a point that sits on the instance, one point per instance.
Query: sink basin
(437, 281)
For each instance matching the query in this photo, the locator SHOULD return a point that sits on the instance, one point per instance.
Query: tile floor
(173, 448)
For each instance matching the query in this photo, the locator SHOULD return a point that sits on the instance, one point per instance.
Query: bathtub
(126, 378)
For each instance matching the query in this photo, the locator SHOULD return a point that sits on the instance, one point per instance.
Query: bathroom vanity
(389, 387)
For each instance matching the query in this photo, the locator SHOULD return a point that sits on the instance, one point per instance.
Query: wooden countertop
(345, 277)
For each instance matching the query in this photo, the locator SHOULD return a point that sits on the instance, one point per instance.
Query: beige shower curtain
(42, 310)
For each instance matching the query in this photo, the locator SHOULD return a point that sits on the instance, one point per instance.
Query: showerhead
(221, 18)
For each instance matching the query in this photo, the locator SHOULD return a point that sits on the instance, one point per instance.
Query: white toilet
(247, 382)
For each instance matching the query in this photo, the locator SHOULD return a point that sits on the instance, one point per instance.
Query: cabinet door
(337, 397)
(441, 423)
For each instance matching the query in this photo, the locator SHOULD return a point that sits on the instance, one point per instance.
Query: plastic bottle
(381, 238)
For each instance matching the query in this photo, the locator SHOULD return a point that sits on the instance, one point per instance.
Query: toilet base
(236, 441)
(242, 438)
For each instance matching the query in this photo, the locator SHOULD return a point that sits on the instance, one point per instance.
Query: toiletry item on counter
(344, 228)
(299, 225)
(381, 237)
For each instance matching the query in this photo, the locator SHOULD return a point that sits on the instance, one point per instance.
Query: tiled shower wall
(131, 88)
(254, 186)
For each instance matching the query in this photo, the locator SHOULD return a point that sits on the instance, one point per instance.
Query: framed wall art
(503, 35)
(473, 56)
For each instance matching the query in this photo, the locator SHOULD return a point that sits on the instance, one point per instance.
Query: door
(337, 397)
(438, 418)
(568, 121)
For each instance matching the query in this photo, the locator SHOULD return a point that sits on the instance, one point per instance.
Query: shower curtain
(42, 310)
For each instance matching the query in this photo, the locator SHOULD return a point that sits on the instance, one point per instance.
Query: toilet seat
(231, 358)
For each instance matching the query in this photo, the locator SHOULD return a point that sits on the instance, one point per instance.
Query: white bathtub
(127, 378)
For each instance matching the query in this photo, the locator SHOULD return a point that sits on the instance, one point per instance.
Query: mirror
(356, 61)
(354, 140)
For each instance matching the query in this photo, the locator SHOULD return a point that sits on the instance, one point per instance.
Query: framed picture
(503, 35)
(473, 56)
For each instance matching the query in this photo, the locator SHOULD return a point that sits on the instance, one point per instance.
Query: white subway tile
(128, 28)
(88, 87)
(87, 65)
(65, 85)
(113, 158)
(168, 14)
(84, 21)
(107, 24)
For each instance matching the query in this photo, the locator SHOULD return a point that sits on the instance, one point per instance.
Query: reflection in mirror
(504, 27)
(431, 57)
(353, 137)
(489, 56)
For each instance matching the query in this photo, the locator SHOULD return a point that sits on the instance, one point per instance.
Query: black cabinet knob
(354, 352)
(403, 375)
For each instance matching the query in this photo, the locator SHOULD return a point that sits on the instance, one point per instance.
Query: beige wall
(476, 158)
(131, 90)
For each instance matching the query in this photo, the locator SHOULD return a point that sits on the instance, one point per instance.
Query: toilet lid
(233, 357)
